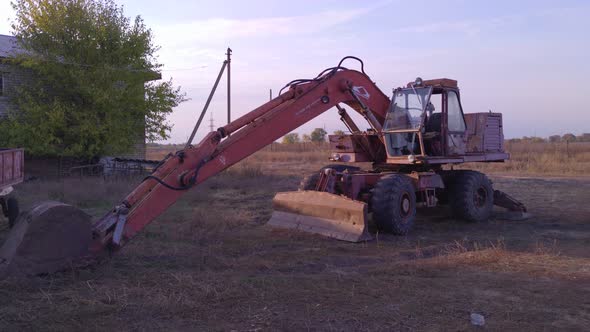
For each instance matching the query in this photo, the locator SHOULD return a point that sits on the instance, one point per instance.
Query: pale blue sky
(526, 59)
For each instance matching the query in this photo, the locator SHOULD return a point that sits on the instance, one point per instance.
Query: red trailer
(11, 173)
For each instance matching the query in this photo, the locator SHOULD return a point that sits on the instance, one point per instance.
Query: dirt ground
(210, 263)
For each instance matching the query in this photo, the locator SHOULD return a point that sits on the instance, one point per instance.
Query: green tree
(318, 135)
(339, 132)
(89, 95)
(291, 138)
(306, 138)
(569, 137)
(554, 138)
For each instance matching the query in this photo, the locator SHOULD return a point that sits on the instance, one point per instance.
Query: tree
(318, 135)
(89, 96)
(569, 137)
(339, 132)
(585, 137)
(291, 138)
(306, 138)
(554, 138)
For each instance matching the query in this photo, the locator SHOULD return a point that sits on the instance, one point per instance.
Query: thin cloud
(469, 27)
(474, 27)
(200, 41)
(222, 29)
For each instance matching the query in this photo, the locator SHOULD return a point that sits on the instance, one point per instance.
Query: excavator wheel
(394, 204)
(443, 194)
(310, 181)
(472, 196)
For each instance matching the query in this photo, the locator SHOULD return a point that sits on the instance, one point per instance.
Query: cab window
(456, 122)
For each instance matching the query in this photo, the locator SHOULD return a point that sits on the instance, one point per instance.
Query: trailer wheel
(13, 210)
(310, 181)
(10, 209)
(394, 204)
(472, 196)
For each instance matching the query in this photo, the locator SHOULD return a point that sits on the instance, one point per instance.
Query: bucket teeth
(321, 213)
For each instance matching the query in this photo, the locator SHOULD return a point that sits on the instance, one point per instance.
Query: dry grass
(273, 153)
(542, 159)
(541, 261)
(556, 159)
(209, 263)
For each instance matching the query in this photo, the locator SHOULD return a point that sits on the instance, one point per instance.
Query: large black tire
(471, 196)
(393, 203)
(448, 177)
(10, 209)
(13, 210)
(310, 181)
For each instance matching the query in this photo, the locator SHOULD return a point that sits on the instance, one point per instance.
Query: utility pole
(190, 140)
(226, 64)
(228, 84)
(211, 125)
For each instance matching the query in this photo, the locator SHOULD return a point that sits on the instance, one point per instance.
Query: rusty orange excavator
(411, 136)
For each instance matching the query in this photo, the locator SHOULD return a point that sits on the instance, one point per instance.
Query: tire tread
(385, 193)
(461, 192)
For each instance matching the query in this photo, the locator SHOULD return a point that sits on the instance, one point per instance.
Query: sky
(526, 59)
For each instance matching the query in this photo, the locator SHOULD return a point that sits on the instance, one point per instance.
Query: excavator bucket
(50, 237)
(321, 213)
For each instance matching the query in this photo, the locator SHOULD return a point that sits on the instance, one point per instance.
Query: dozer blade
(50, 237)
(321, 213)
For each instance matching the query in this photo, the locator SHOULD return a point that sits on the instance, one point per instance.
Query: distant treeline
(319, 135)
(569, 137)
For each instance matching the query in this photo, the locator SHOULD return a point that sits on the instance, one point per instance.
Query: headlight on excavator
(335, 157)
(412, 158)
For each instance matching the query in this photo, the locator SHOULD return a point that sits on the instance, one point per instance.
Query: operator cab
(425, 119)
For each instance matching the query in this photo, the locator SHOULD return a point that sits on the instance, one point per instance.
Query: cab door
(455, 124)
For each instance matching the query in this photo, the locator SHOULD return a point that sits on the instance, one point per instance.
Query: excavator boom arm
(234, 142)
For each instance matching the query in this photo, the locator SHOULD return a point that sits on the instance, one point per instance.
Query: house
(12, 76)
(9, 75)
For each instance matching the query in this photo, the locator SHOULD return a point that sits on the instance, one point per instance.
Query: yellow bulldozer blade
(48, 238)
(321, 213)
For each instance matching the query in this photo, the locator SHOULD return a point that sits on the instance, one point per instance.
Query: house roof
(8, 46)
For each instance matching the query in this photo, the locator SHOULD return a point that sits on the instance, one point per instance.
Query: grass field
(527, 158)
(210, 263)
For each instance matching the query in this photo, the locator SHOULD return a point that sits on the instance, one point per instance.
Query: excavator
(409, 139)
